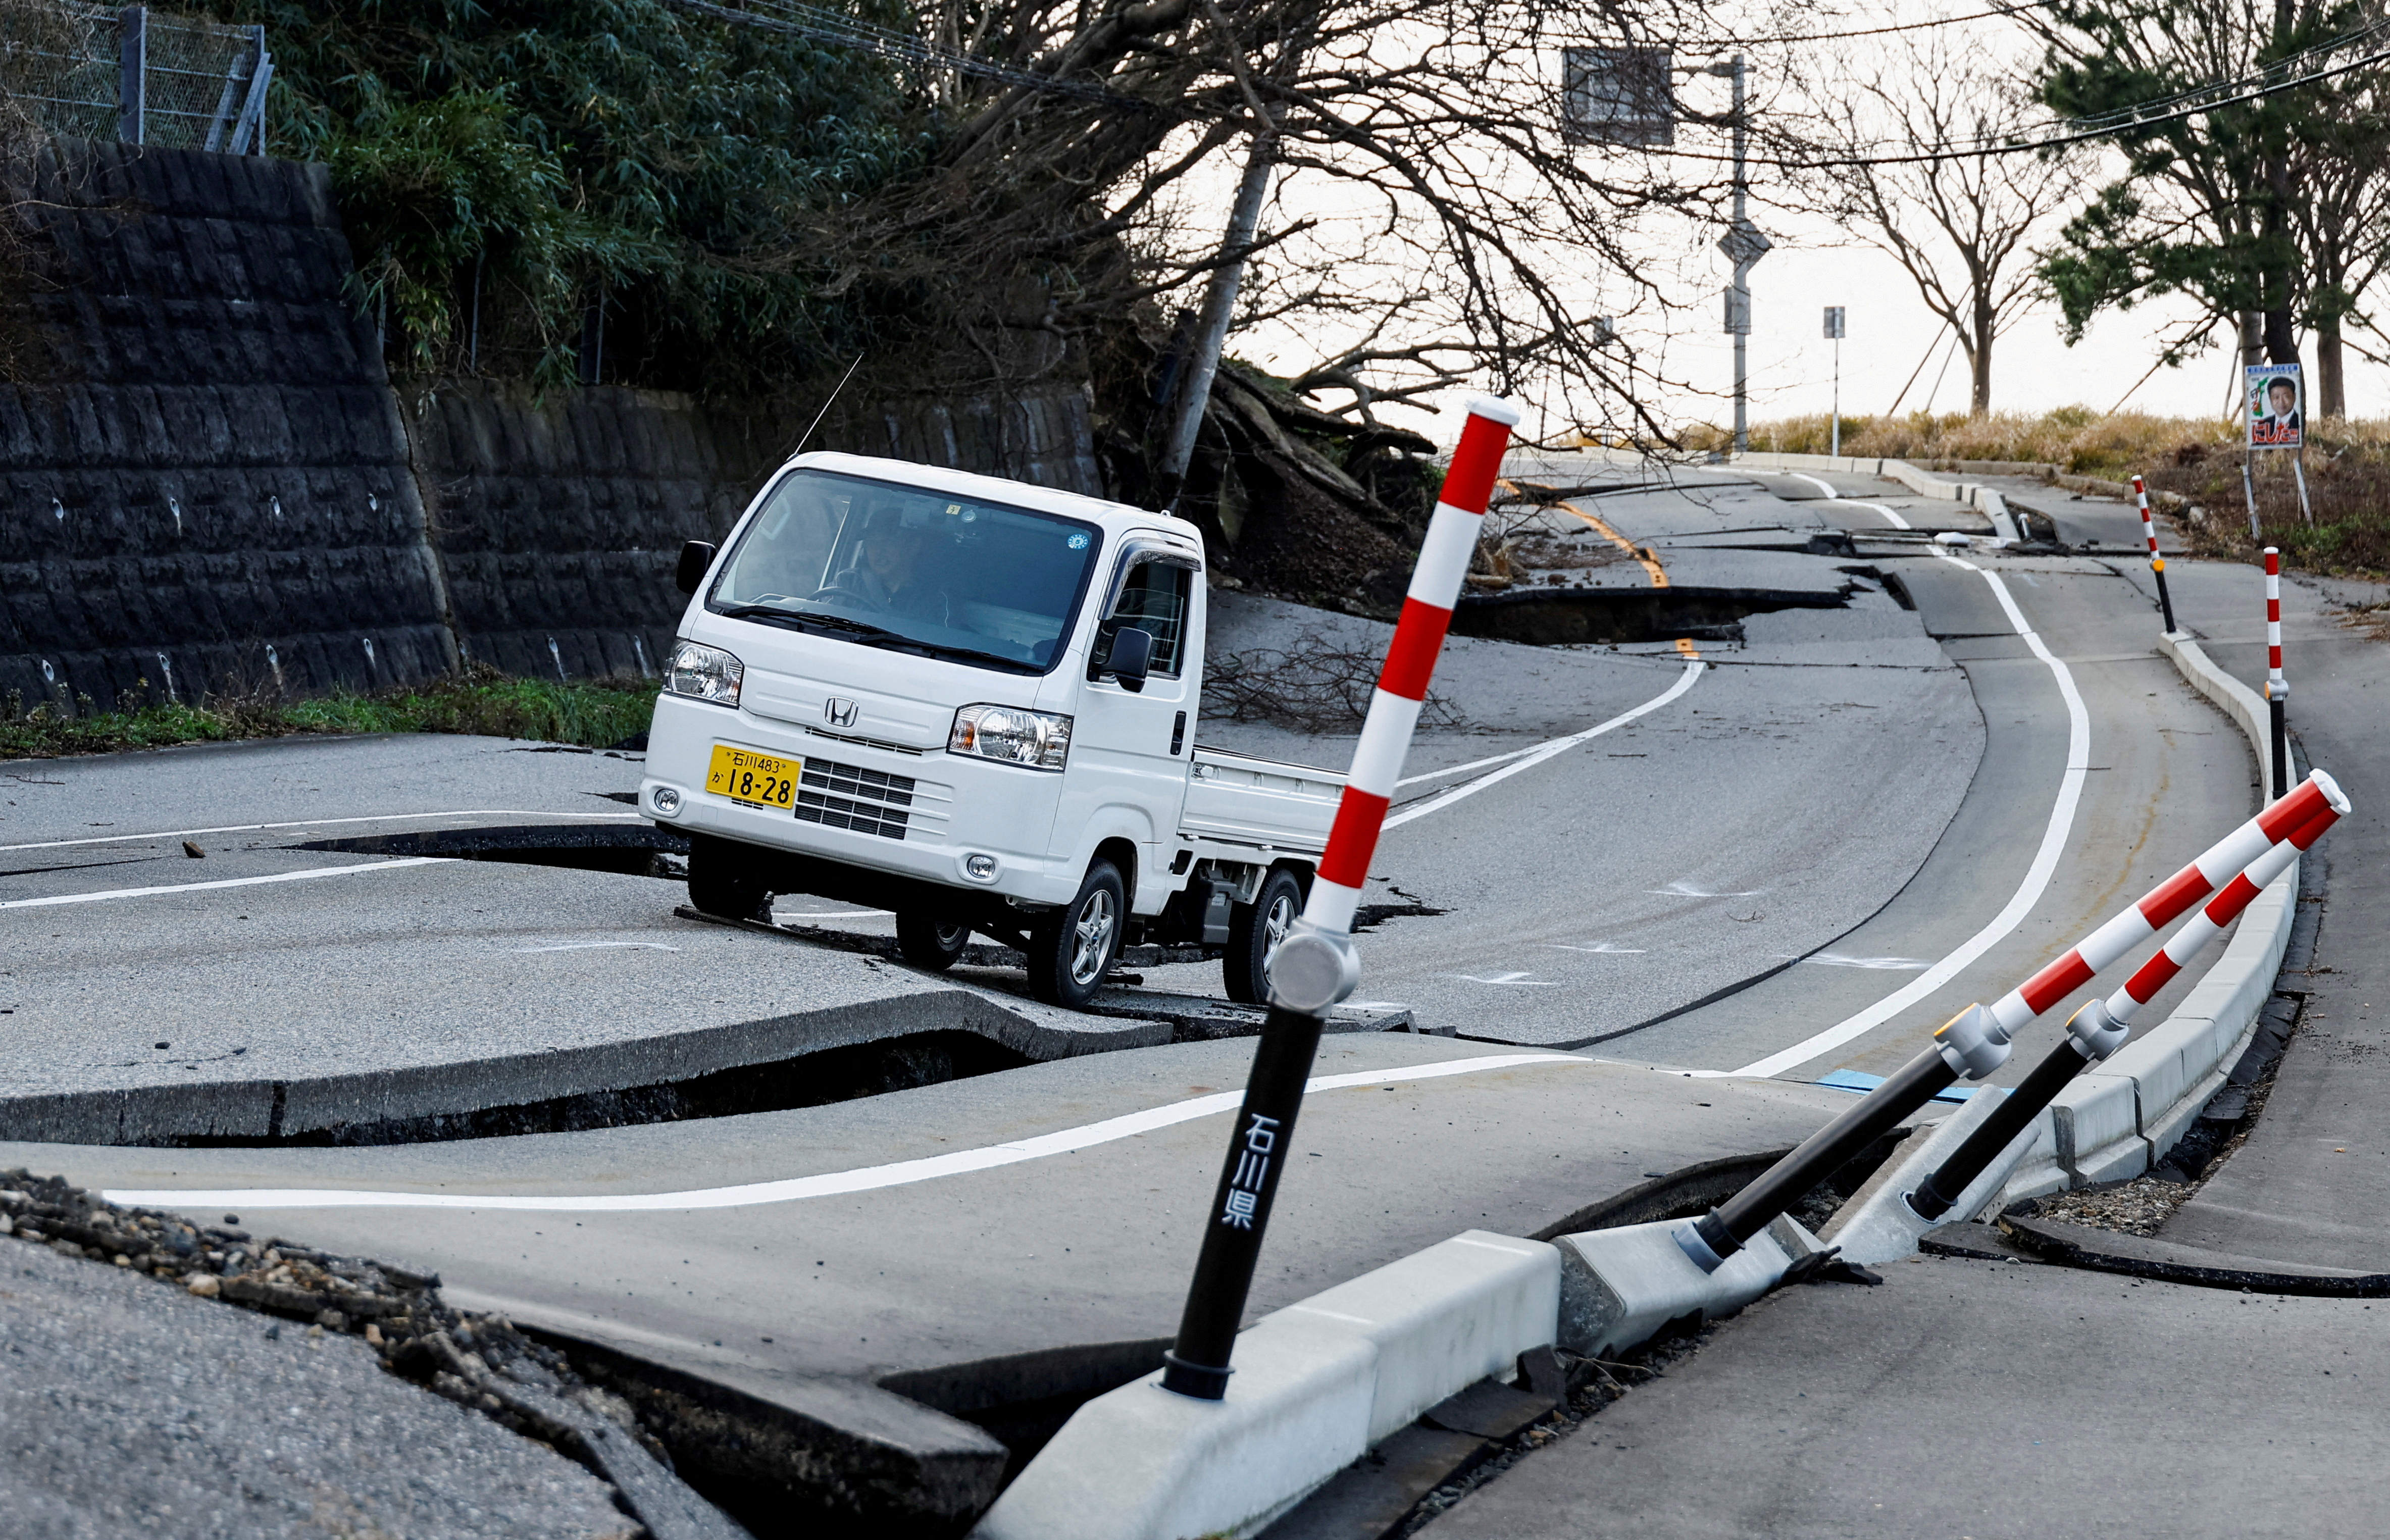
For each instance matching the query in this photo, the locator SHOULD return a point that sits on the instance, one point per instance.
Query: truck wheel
(723, 880)
(1070, 950)
(927, 938)
(1254, 931)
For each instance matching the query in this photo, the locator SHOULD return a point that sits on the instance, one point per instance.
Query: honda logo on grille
(840, 712)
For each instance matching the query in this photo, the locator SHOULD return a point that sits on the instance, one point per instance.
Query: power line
(2108, 125)
(1864, 31)
(816, 25)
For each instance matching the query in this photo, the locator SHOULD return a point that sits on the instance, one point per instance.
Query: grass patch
(594, 713)
(2347, 469)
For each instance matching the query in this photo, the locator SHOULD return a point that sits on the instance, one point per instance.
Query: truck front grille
(848, 796)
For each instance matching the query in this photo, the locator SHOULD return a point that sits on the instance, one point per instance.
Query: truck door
(1129, 749)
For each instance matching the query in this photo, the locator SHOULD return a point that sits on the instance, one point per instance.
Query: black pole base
(1199, 1380)
(2282, 750)
(1782, 1184)
(2165, 601)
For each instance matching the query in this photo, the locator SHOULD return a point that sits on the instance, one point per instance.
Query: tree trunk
(2331, 399)
(1979, 359)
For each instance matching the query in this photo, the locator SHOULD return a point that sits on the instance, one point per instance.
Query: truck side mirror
(696, 556)
(1131, 658)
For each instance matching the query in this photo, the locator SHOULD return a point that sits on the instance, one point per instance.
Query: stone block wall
(213, 489)
(210, 491)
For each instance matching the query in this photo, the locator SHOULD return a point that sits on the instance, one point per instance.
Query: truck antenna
(827, 405)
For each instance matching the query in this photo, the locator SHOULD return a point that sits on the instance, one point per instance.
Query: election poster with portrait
(2276, 398)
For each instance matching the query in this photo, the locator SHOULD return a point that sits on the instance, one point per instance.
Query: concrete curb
(2121, 1118)
(1619, 1288)
(1876, 1225)
(1316, 1384)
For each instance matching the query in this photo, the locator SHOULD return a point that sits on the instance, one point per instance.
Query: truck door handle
(1178, 733)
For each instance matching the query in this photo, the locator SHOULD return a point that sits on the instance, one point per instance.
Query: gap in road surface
(815, 1078)
(1562, 616)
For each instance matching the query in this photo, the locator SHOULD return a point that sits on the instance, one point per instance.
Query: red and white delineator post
(2157, 563)
(2278, 690)
(1315, 965)
(2100, 1028)
(1975, 1042)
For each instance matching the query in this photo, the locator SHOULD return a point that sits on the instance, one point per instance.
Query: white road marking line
(1682, 889)
(321, 822)
(309, 874)
(1824, 489)
(1893, 965)
(1605, 949)
(1451, 770)
(1543, 751)
(2019, 903)
(1519, 980)
(829, 1184)
(598, 946)
(836, 914)
(1897, 521)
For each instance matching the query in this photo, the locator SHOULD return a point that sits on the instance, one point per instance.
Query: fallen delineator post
(2100, 1028)
(1975, 1042)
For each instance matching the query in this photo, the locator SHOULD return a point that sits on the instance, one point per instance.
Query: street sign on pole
(1617, 96)
(1744, 243)
(1834, 335)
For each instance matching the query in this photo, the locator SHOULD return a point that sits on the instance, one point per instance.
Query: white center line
(2019, 903)
(1543, 751)
(829, 1184)
(308, 875)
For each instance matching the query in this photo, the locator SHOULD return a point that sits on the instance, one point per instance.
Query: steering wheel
(834, 592)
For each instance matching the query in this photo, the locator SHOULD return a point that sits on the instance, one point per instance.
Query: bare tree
(1957, 227)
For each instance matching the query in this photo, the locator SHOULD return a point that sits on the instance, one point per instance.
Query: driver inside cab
(892, 570)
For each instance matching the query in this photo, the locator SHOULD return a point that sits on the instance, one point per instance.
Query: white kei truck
(971, 703)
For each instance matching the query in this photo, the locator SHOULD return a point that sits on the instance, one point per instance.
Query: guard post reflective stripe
(1197, 1363)
(2157, 563)
(2278, 690)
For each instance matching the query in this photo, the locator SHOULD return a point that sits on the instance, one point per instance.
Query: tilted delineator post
(1315, 966)
(2100, 1028)
(2157, 563)
(1975, 1042)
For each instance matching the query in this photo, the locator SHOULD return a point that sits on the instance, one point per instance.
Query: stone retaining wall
(214, 490)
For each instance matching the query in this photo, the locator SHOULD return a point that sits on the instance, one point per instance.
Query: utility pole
(1743, 245)
(1194, 384)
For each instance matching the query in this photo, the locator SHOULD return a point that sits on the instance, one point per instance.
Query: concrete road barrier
(1619, 1288)
(1315, 1384)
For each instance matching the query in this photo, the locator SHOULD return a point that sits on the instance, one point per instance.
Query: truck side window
(1154, 600)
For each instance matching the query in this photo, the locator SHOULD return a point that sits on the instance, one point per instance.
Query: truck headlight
(1038, 739)
(704, 674)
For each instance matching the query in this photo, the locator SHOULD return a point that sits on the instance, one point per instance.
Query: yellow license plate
(753, 779)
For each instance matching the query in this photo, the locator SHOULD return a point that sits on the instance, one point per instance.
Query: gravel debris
(482, 1363)
(2138, 1207)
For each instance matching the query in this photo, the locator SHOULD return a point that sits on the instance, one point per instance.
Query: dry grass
(2347, 469)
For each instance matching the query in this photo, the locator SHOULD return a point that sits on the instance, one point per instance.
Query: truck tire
(1072, 949)
(928, 938)
(1254, 931)
(724, 880)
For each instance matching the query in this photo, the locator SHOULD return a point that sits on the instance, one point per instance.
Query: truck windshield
(882, 564)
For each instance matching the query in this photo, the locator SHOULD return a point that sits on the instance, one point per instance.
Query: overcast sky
(1815, 264)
